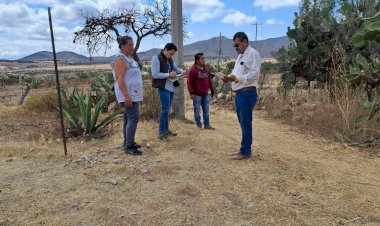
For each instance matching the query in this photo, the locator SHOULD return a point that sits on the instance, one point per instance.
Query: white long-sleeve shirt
(247, 69)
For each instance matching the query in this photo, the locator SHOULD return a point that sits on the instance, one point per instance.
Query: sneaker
(134, 145)
(133, 151)
(199, 127)
(170, 133)
(209, 127)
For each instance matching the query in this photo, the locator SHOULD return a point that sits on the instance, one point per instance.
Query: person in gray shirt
(128, 91)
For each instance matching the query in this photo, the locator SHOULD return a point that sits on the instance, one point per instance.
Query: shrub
(150, 107)
(42, 102)
(34, 81)
(9, 80)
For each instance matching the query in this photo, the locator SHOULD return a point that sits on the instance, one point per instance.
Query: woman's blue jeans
(245, 101)
(203, 101)
(166, 98)
(131, 118)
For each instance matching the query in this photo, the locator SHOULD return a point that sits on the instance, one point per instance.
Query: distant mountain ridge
(209, 47)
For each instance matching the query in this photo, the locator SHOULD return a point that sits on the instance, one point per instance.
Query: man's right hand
(192, 96)
(226, 79)
(173, 74)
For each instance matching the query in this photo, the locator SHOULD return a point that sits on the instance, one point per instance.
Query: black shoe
(163, 136)
(134, 145)
(209, 127)
(170, 133)
(133, 151)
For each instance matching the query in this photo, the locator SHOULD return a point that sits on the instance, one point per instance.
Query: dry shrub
(150, 106)
(42, 102)
(318, 113)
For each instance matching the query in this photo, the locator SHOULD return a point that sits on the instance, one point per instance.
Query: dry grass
(188, 180)
(42, 102)
(294, 178)
(314, 111)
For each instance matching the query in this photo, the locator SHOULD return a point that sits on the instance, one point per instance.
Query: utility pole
(255, 43)
(177, 39)
(220, 50)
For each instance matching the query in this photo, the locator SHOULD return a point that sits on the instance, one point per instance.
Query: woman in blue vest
(164, 73)
(128, 91)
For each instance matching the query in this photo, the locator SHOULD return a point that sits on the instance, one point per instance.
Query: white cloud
(275, 4)
(203, 12)
(190, 34)
(273, 21)
(24, 24)
(238, 18)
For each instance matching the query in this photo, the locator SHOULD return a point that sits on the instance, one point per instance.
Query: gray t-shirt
(132, 79)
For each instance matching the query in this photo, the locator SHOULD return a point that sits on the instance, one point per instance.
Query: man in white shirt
(244, 78)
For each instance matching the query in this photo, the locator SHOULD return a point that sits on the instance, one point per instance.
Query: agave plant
(87, 122)
(103, 86)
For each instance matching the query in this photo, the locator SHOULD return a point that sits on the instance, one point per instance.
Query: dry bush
(150, 106)
(318, 113)
(42, 102)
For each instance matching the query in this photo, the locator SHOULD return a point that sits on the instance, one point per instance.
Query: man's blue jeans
(244, 102)
(166, 98)
(203, 101)
(131, 118)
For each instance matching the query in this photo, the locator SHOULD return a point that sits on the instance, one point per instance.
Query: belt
(246, 88)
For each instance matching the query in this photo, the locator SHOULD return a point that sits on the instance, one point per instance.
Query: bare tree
(101, 30)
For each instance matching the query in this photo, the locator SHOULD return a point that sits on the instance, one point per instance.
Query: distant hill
(209, 47)
(64, 56)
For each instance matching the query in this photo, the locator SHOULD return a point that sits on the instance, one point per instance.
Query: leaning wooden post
(57, 82)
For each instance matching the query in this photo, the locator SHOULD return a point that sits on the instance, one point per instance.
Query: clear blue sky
(24, 27)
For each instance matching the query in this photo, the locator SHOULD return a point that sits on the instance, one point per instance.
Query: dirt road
(292, 179)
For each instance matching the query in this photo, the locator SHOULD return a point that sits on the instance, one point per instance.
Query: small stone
(151, 179)
(115, 157)
(31, 149)
(9, 160)
(113, 181)
(158, 160)
(144, 171)
(25, 157)
(118, 161)
(58, 140)
(274, 188)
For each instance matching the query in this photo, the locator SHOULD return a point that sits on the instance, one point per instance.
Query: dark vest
(164, 68)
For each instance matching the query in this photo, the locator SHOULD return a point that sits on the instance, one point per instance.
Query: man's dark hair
(123, 40)
(170, 46)
(197, 57)
(241, 35)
